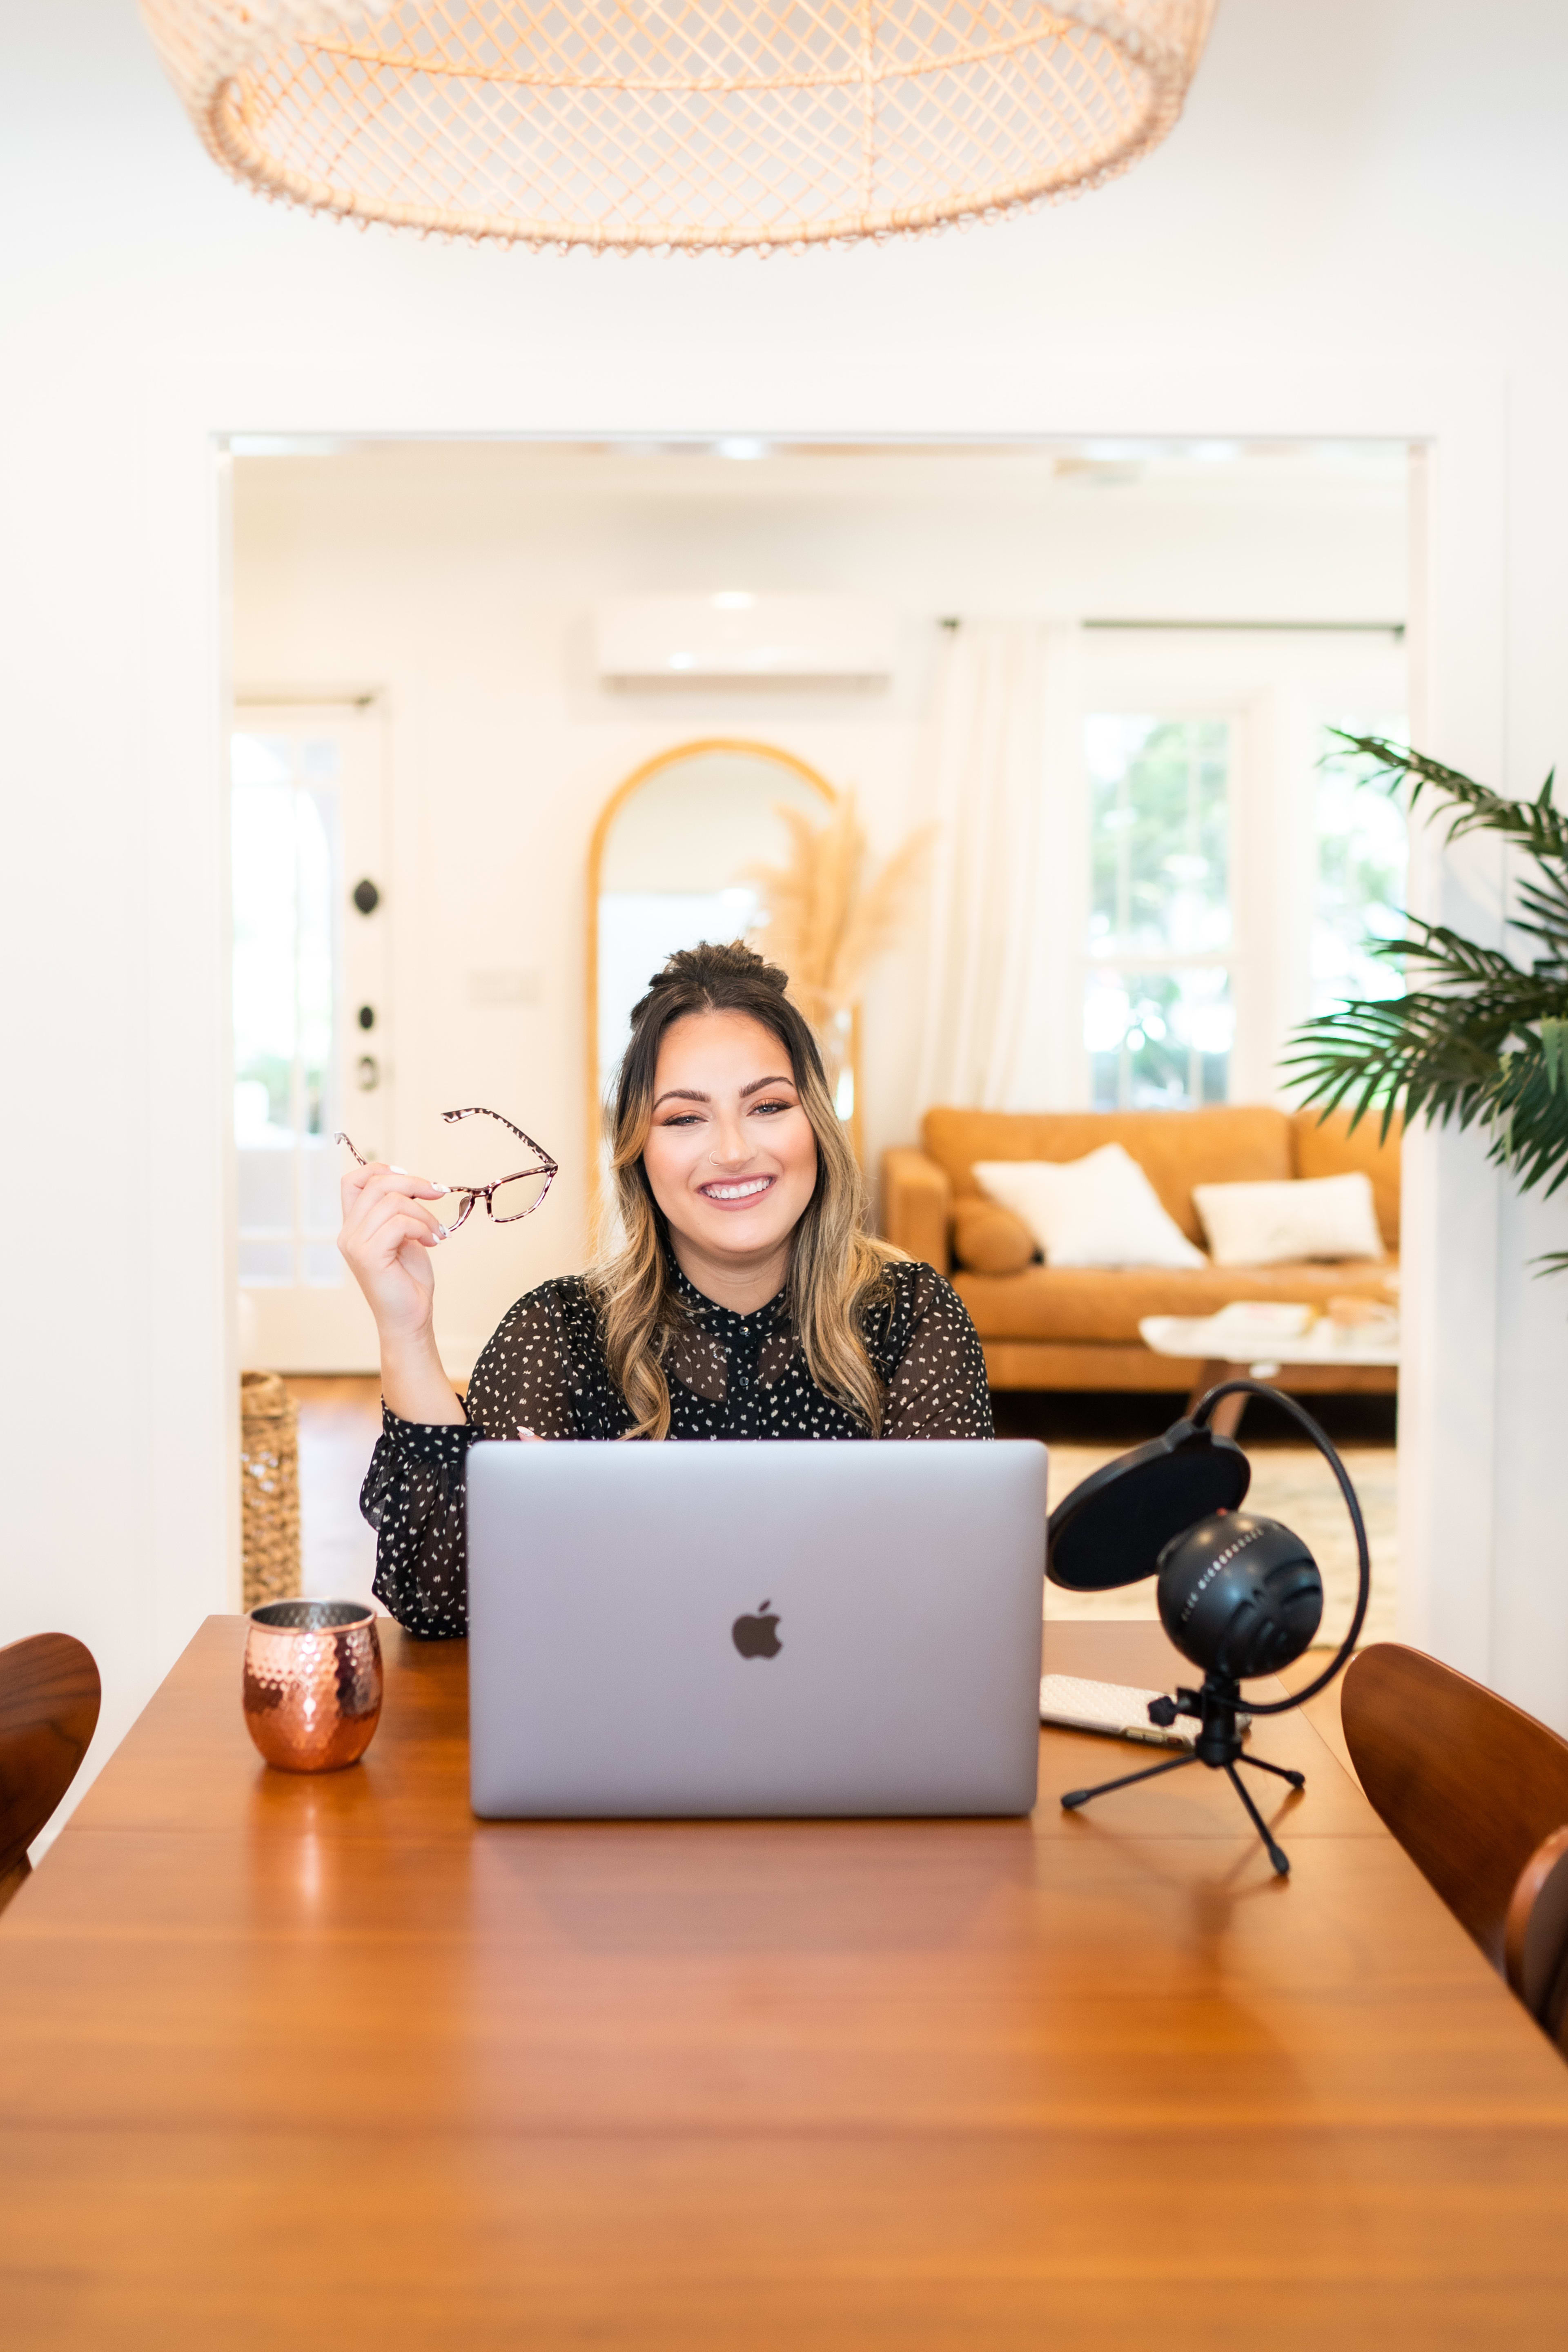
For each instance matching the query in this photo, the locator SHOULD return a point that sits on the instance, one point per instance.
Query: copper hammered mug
(313, 1683)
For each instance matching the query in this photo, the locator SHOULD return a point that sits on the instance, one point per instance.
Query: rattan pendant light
(678, 123)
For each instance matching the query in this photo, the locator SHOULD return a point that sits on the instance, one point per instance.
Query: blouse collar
(723, 1321)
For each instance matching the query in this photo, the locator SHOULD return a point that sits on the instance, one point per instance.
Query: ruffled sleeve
(414, 1497)
(540, 1375)
(932, 1360)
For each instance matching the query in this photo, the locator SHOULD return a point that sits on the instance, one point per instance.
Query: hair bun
(731, 978)
(709, 964)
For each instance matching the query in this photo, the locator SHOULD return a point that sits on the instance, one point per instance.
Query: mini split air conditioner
(734, 634)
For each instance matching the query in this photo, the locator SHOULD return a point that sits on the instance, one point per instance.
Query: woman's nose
(731, 1145)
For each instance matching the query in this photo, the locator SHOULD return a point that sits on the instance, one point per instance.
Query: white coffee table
(1326, 1346)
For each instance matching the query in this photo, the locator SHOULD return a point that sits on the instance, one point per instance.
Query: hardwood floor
(339, 1421)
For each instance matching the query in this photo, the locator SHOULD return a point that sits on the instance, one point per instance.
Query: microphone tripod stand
(1218, 1745)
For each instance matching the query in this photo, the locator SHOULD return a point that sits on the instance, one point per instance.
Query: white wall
(458, 582)
(1358, 228)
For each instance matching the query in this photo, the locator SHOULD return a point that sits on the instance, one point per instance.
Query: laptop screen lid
(755, 1628)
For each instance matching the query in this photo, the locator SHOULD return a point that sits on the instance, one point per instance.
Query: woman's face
(730, 1155)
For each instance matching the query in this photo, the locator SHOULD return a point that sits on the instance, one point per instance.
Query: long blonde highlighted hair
(837, 1268)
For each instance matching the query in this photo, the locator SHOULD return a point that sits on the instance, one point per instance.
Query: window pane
(319, 761)
(264, 990)
(266, 1192)
(1160, 881)
(323, 1266)
(321, 1167)
(265, 1265)
(287, 891)
(1363, 852)
(1158, 1040)
(316, 951)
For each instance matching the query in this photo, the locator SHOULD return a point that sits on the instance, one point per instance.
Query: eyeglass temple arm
(481, 1192)
(477, 1110)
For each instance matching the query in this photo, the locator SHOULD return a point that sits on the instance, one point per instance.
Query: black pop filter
(1113, 1528)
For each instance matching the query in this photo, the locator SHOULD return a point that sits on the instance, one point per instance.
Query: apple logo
(755, 1637)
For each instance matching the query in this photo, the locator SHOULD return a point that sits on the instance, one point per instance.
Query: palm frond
(1482, 1040)
(1555, 1049)
(1542, 913)
(1538, 824)
(1465, 963)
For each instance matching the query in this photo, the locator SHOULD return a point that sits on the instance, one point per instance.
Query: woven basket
(694, 125)
(269, 1488)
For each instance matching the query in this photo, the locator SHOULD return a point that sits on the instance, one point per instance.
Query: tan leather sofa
(1046, 1327)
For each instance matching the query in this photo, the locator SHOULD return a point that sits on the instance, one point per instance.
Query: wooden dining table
(326, 2061)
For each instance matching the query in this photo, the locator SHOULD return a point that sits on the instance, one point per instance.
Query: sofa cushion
(1318, 1217)
(1107, 1303)
(1175, 1149)
(989, 1239)
(1330, 1148)
(1100, 1210)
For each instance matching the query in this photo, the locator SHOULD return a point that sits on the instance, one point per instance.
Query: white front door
(312, 1031)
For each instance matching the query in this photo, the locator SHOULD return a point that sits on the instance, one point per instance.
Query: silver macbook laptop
(749, 1628)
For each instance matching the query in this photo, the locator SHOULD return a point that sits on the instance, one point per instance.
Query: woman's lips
(740, 1192)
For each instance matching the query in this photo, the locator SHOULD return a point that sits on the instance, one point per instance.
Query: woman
(748, 1300)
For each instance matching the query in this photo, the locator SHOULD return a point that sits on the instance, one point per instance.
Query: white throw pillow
(1312, 1216)
(1099, 1211)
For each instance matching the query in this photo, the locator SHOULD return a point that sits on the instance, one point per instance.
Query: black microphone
(1238, 1595)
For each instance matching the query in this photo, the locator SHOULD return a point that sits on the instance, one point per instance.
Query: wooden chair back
(1477, 1793)
(49, 1697)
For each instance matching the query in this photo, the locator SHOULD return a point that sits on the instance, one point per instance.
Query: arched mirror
(668, 867)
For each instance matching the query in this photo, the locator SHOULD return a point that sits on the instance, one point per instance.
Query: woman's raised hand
(387, 1238)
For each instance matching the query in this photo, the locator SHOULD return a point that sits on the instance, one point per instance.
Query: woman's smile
(737, 1191)
(730, 1156)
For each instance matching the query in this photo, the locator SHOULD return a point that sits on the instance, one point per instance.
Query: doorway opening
(1213, 608)
(313, 1042)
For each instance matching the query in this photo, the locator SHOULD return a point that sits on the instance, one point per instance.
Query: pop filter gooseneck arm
(1201, 1418)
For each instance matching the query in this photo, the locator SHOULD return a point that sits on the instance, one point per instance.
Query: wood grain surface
(289, 2061)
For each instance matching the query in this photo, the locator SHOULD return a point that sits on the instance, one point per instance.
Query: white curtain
(993, 963)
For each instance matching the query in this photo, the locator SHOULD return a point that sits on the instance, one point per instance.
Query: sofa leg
(1226, 1418)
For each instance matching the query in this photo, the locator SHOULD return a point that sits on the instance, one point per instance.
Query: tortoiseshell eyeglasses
(509, 1198)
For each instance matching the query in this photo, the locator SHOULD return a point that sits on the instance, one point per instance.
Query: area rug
(1289, 1483)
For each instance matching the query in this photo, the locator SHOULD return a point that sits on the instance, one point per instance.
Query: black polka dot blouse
(730, 1376)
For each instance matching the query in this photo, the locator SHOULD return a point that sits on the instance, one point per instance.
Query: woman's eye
(773, 1105)
(681, 1119)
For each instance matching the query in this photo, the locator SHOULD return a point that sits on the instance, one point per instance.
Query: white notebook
(1116, 1710)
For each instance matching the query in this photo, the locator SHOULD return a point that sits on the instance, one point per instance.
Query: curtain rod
(1299, 628)
(348, 698)
(1288, 628)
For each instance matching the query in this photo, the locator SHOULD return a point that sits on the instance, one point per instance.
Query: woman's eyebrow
(691, 1094)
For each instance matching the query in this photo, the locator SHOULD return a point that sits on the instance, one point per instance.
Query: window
(287, 891)
(1158, 1018)
(1363, 852)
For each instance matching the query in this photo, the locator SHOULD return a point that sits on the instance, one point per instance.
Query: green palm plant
(1480, 1041)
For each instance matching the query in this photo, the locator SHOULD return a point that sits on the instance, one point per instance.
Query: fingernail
(395, 1168)
(440, 1191)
